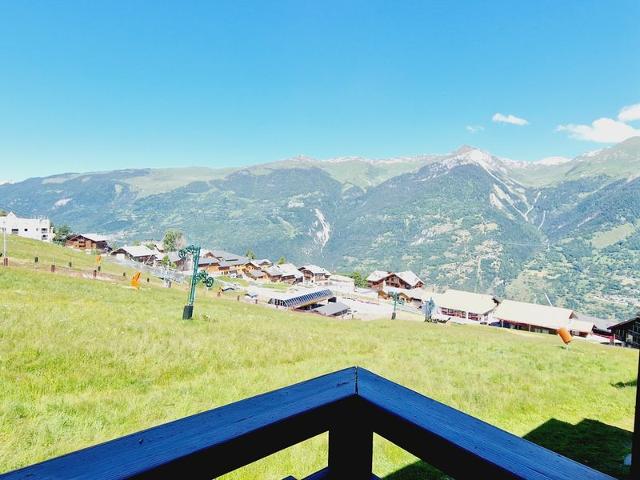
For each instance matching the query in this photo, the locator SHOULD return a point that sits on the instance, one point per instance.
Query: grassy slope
(21, 252)
(85, 361)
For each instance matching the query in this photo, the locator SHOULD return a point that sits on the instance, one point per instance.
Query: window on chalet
(453, 313)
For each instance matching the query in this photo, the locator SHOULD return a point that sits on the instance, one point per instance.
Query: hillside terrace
(451, 305)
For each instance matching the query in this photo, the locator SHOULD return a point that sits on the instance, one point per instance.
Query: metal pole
(196, 277)
(196, 259)
(395, 300)
(635, 449)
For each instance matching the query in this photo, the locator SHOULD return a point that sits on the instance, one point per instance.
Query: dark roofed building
(88, 241)
(300, 299)
(628, 332)
(332, 309)
(600, 325)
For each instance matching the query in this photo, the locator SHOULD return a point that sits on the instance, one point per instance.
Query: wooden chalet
(260, 263)
(273, 273)
(254, 274)
(211, 265)
(290, 273)
(628, 332)
(407, 280)
(221, 262)
(88, 241)
(175, 259)
(410, 296)
(376, 279)
(314, 274)
(138, 253)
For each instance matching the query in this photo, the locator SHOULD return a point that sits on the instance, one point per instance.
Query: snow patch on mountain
(62, 202)
(322, 235)
(548, 161)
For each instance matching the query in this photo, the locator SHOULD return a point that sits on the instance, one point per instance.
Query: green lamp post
(196, 277)
(396, 300)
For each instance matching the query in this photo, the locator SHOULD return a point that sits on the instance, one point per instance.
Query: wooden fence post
(350, 445)
(635, 449)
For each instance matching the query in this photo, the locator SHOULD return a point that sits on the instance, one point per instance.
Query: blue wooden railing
(350, 404)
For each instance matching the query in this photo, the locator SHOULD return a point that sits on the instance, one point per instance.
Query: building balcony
(350, 404)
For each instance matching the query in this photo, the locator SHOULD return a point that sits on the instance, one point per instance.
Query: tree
(166, 262)
(173, 240)
(250, 255)
(282, 260)
(358, 279)
(62, 233)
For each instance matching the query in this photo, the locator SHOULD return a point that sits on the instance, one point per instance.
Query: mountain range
(565, 231)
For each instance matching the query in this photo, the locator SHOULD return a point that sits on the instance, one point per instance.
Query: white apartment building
(36, 228)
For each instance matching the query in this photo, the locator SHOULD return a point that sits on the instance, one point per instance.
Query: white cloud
(512, 119)
(629, 113)
(602, 130)
(474, 128)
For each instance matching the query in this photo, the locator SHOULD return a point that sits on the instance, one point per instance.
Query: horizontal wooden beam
(212, 443)
(457, 443)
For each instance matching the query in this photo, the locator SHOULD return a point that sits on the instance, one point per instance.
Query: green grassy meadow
(22, 252)
(84, 361)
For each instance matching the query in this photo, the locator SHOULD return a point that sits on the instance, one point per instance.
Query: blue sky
(103, 85)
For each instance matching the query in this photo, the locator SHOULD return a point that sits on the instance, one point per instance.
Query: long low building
(465, 305)
(533, 317)
(332, 309)
(300, 298)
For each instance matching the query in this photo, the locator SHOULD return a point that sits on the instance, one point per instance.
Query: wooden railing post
(351, 445)
(635, 449)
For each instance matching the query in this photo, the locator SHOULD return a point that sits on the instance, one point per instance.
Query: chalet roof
(234, 262)
(534, 314)
(208, 261)
(599, 323)
(377, 275)
(471, 302)
(228, 256)
(94, 237)
(290, 270)
(409, 277)
(580, 326)
(136, 251)
(260, 262)
(315, 269)
(256, 273)
(332, 308)
(626, 322)
(273, 271)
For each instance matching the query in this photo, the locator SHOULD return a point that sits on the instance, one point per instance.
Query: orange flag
(135, 280)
